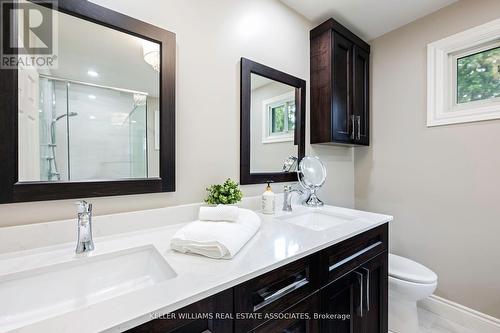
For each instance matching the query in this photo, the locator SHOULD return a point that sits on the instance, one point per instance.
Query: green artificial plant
(225, 194)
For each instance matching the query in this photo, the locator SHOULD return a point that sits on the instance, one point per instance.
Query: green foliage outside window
(278, 119)
(283, 118)
(291, 116)
(478, 76)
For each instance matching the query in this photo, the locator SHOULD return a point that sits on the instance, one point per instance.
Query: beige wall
(442, 184)
(212, 35)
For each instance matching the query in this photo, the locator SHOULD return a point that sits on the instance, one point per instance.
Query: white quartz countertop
(275, 244)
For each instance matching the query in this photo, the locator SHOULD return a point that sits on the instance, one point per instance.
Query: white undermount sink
(44, 292)
(317, 220)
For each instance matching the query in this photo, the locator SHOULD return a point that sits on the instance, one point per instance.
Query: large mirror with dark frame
(272, 124)
(99, 118)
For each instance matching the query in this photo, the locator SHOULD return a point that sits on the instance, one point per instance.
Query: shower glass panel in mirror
(94, 115)
(272, 124)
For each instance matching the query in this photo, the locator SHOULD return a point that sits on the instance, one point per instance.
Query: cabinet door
(342, 125)
(375, 314)
(360, 96)
(340, 305)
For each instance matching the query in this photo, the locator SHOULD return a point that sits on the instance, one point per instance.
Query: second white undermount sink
(317, 220)
(44, 292)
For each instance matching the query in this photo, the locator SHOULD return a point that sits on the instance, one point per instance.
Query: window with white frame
(463, 82)
(278, 118)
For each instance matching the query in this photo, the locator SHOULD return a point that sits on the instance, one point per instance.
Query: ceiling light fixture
(151, 53)
(92, 73)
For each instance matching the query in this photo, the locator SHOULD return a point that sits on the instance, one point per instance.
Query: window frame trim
(441, 77)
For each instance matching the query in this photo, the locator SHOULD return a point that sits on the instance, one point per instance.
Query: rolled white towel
(219, 213)
(219, 240)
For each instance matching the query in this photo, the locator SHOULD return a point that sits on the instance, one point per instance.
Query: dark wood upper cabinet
(339, 86)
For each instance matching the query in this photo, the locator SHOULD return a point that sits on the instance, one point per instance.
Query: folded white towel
(219, 240)
(219, 213)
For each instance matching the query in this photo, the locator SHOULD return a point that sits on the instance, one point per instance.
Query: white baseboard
(462, 315)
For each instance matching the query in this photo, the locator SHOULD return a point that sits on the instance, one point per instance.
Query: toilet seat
(408, 270)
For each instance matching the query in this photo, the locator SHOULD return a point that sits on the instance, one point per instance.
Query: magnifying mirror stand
(313, 200)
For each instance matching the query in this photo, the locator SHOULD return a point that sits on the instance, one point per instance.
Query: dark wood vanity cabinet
(339, 86)
(340, 289)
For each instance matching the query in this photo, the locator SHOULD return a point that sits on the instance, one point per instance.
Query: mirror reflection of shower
(53, 171)
(89, 131)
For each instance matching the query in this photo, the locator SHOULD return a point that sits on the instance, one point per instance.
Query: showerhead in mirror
(289, 164)
(140, 99)
(312, 176)
(71, 114)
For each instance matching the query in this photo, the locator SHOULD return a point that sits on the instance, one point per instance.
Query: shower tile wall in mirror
(96, 115)
(272, 124)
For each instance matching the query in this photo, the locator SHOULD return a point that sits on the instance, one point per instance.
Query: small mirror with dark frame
(272, 123)
(99, 119)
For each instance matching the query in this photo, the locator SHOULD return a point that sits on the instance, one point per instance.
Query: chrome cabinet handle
(281, 292)
(353, 126)
(367, 288)
(358, 118)
(360, 278)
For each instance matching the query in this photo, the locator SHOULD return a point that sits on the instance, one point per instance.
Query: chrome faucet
(288, 190)
(84, 242)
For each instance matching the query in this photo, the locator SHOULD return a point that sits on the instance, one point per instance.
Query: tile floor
(432, 323)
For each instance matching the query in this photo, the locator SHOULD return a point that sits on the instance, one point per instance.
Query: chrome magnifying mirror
(312, 175)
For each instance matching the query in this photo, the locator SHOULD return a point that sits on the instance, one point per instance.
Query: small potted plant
(227, 193)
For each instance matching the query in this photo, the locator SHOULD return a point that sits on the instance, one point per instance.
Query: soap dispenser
(268, 200)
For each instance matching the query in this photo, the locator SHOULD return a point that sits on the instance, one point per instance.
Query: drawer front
(342, 258)
(209, 307)
(274, 292)
(297, 319)
(176, 325)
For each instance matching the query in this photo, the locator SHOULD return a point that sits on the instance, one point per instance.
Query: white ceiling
(367, 18)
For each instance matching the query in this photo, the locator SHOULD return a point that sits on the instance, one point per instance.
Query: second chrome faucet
(85, 242)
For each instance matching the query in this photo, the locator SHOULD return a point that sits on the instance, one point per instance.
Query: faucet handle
(293, 187)
(83, 207)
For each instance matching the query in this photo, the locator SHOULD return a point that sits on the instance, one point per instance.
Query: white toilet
(409, 282)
